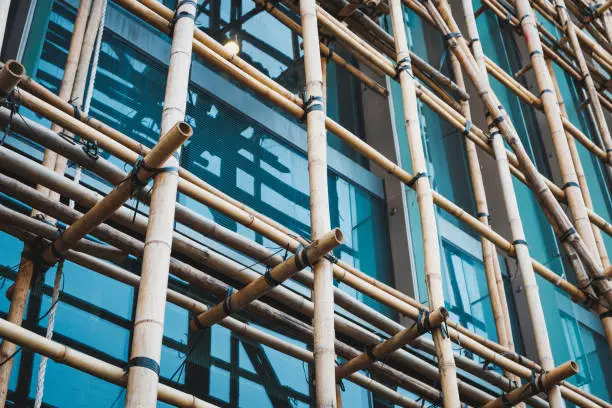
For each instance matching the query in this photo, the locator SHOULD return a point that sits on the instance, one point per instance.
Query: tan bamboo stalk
(150, 307)
(4, 11)
(165, 148)
(477, 71)
(584, 188)
(26, 194)
(91, 365)
(424, 324)
(320, 224)
(553, 115)
(305, 257)
(539, 383)
(495, 282)
(429, 231)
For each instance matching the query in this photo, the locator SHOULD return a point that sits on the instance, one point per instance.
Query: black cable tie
(599, 278)
(472, 41)
(570, 184)
(507, 20)
(77, 111)
(369, 353)
(314, 103)
(492, 136)
(535, 52)
(144, 362)
(468, 127)
(92, 149)
(423, 324)
(331, 258)
(455, 34)
(182, 14)
(227, 302)
(546, 90)
(497, 121)
(523, 18)
(609, 150)
(301, 258)
(519, 242)
(482, 214)
(405, 64)
(416, 178)
(270, 280)
(570, 231)
(606, 314)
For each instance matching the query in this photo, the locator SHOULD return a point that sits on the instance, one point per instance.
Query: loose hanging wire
(42, 367)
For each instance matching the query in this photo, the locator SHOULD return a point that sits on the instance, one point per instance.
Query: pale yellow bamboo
(429, 230)
(541, 383)
(305, 257)
(10, 75)
(150, 307)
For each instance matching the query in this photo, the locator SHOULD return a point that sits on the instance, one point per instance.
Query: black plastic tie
(570, 184)
(370, 354)
(472, 41)
(423, 324)
(570, 231)
(270, 280)
(416, 177)
(314, 103)
(449, 36)
(546, 90)
(535, 52)
(301, 258)
(519, 242)
(468, 127)
(606, 314)
(523, 18)
(144, 362)
(405, 64)
(227, 302)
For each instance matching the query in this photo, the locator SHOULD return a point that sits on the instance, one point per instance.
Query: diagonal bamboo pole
(429, 231)
(144, 171)
(150, 307)
(477, 72)
(305, 257)
(425, 323)
(539, 383)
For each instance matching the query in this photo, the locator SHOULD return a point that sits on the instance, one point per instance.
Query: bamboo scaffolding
(147, 168)
(305, 257)
(10, 75)
(150, 307)
(242, 329)
(112, 146)
(540, 383)
(209, 259)
(424, 324)
(429, 231)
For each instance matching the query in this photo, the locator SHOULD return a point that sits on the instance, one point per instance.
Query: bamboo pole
(539, 383)
(148, 168)
(425, 323)
(429, 231)
(10, 75)
(5, 7)
(305, 257)
(150, 308)
(320, 224)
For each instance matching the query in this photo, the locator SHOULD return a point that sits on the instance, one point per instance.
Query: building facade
(256, 153)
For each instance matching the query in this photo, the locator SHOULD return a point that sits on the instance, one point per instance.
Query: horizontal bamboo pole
(305, 257)
(539, 383)
(10, 75)
(176, 136)
(90, 365)
(424, 324)
(39, 228)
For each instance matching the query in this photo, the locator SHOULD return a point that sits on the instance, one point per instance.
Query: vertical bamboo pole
(495, 283)
(478, 74)
(429, 230)
(5, 6)
(150, 308)
(21, 287)
(554, 120)
(323, 295)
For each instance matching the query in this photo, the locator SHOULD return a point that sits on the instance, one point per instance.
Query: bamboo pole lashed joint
(144, 170)
(425, 323)
(539, 383)
(305, 257)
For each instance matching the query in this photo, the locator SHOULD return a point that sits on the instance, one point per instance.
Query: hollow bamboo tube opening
(305, 257)
(425, 322)
(10, 75)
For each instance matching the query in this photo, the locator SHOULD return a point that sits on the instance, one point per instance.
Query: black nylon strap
(523, 18)
(497, 121)
(314, 103)
(606, 314)
(77, 111)
(370, 354)
(416, 178)
(144, 362)
(270, 280)
(519, 242)
(482, 214)
(567, 234)
(423, 324)
(405, 64)
(455, 34)
(492, 135)
(468, 126)
(227, 302)
(570, 184)
(301, 258)
(472, 41)
(535, 52)
(546, 90)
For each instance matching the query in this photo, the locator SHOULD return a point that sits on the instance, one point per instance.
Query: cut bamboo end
(10, 75)
(168, 144)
